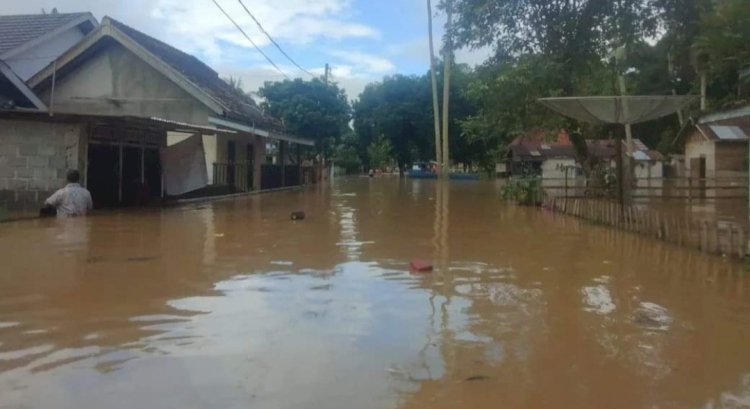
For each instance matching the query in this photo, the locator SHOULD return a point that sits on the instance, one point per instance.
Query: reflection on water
(233, 305)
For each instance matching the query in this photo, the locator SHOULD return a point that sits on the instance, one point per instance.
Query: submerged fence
(652, 188)
(718, 237)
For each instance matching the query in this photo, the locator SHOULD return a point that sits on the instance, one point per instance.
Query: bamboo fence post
(741, 247)
(716, 244)
(704, 235)
(659, 233)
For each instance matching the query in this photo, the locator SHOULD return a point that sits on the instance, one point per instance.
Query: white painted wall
(648, 169)
(31, 61)
(694, 148)
(554, 168)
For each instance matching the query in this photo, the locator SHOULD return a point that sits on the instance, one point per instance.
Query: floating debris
(477, 378)
(652, 316)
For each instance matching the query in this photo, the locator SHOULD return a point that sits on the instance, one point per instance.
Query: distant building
(716, 145)
(30, 42)
(537, 152)
(649, 163)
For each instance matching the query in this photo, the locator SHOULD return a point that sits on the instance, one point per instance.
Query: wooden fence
(718, 237)
(651, 188)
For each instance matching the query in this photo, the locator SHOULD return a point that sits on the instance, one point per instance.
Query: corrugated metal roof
(640, 155)
(729, 132)
(20, 29)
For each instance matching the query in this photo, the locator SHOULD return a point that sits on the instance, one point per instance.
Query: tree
(310, 109)
(380, 152)
(400, 108)
(725, 39)
(346, 155)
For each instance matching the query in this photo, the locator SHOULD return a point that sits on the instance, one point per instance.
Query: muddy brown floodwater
(232, 305)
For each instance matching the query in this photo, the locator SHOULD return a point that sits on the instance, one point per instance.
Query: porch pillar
(259, 151)
(282, 156)
(299, 164)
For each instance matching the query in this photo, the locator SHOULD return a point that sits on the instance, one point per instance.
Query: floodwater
(232, 305)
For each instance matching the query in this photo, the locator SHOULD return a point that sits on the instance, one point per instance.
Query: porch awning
(133, 121)
(260, 132)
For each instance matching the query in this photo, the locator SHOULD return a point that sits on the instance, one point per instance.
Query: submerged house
(649, 163)
(141, 120)
(716, 145)
(538, 153)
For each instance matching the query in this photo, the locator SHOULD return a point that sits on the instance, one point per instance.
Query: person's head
(73, 176)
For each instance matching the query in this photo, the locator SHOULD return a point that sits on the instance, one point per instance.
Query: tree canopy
(309, 109)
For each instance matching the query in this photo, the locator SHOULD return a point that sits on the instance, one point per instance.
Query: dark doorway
(103, 174)
(141, 175)
(151, 174)
(131, 175)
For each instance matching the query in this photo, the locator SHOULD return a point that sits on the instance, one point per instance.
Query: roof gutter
(260, 132)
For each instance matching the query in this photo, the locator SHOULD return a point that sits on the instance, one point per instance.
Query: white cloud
(367, 63)
(254, 77)
(198, 27)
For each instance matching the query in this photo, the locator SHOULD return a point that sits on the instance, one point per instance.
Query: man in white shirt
(73, 199)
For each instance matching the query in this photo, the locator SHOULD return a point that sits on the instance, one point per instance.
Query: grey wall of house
(34, 157)
(116, 82)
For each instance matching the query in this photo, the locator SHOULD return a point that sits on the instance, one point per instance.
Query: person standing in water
(72, 200)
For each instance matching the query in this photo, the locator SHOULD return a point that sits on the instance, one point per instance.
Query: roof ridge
(45, 15)
(131, 30)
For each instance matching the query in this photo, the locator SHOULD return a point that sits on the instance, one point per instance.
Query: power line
(249, 39)
(260, 26)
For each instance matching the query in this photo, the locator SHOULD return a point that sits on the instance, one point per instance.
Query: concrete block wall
(34, 157)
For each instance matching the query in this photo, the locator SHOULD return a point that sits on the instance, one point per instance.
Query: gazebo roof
(617, 109)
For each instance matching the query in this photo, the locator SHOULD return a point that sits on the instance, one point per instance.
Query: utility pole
(435, 105)
(328, 70)
(445, 168)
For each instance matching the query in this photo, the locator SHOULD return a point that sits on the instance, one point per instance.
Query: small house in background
(30, 42)
(716, 145)
(537, 152)
(649, 164)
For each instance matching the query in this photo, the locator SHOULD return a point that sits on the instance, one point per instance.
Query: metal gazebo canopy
(625, 110)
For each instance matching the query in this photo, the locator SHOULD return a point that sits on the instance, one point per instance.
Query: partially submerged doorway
(124, 168)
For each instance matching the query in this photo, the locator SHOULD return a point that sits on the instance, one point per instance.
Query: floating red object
(420, 266)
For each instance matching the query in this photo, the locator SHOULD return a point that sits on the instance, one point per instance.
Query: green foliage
(725, 41)
(525, 190)
(380, 152)
(346, 155)
(400, 108)
(309, 109)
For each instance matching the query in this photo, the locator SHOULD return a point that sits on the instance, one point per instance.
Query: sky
(362, 40)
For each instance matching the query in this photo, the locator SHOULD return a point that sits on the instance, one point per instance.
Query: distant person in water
(72, 200)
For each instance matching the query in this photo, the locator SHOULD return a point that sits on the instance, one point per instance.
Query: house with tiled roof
(30, 42)
(141, 120)
(550, 155)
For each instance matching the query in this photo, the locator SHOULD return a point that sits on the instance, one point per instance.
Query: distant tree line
(541, 48)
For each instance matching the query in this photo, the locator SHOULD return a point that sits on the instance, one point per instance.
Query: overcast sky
(362, 40)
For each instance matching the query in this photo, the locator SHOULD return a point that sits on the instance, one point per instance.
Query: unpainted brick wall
(34, 157)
